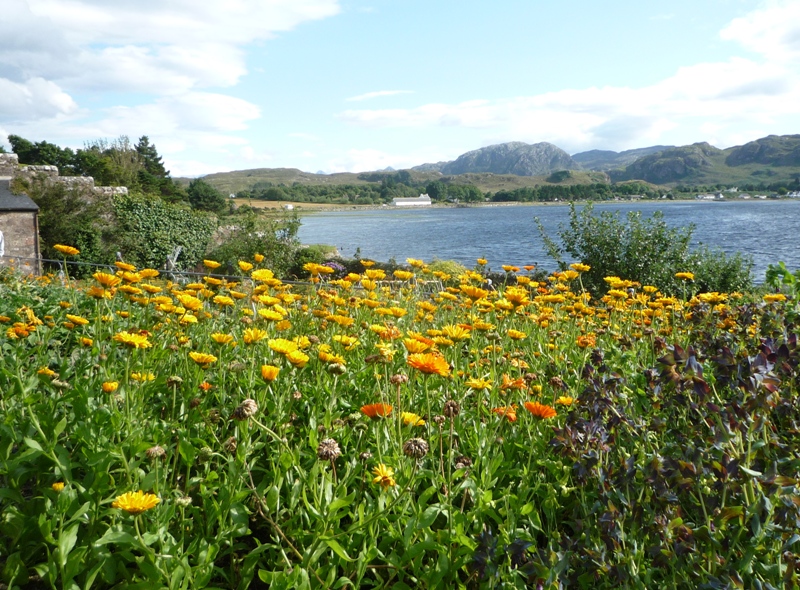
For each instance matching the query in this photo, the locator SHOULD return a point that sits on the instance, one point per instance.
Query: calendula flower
(47, 372)
(85, 341)
(110, 386)
(132, 340)
(141, 376)
(478, 384)
(282, 346)
(376, 411)
(482, 261)
(221, 338)
(269, 372)
(508, 412)
(384, 475)
(66, 250)
(202, 358)
(685, 276)
(580, 267)
(252, 335)
(565, 400)
(297, 358)
(541, 411)
(773, 297)
(58, 486)
(77, 320)
(245, 266)
(136, 502)
(429, 363)
(516, 335)
(262, 274)
(211, 264)
(411, 419)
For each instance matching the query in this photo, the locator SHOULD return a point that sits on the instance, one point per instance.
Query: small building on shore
(420, 201)
(19, 224)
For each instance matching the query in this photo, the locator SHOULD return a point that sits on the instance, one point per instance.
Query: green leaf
(118, 537)
(33, 444)
(338, 549)
(66, 542)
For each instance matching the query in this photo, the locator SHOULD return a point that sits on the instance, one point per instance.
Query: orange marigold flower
(106, 279)
(110, 386)
(376, 411)
(586, 340)
(509, 412)
(429, 363)
(541, 411)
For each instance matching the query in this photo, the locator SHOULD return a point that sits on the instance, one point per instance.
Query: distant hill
(607, 160)
(774, 150)
(515, 157)
(769, 160)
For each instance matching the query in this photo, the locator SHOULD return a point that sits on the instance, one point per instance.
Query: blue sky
(353, 85)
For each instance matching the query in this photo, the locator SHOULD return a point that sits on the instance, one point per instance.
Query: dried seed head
(529, 377)
(365, 456)
(398, 379)
(416, 448)
(236, 366)
(463, 462)
(328, 450)
(322, 429)
(451, 409)
(195, 402)
(205, 454)
(246, 409)
(174, 381)
(439, 420)
(556, 382)
(156, 452)
(313, 339)
(338, 423)
(213, 416)
(230, 444)
(297, 395)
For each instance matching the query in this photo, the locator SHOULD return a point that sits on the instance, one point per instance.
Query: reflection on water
(766, 230)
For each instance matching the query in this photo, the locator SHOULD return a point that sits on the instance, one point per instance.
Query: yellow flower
(245, 266)
(66, 250)
(456, 332)
(282, 346)
(269, 372)
(77, 320)
(262, 274)
(223, 300)
(132, 340)
(384, 475)
(110, 386)
(202, 358)
(411, 419)
(580, 267)
(86, 341)
(136, 502)
(47, 372)
(258, 257)
(478, 384)
(137, 376)
(58, 487)
(403, 275)
(221, 338)
(211, 264)
(252, 335)
(516, 335)
(565, 400)
(773, 297)
(297, 358)
(482, 261)
(686, 276)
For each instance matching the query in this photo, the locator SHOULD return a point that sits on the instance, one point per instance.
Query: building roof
(12, 202)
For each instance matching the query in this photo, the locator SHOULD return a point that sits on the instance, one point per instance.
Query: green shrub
(645, 250)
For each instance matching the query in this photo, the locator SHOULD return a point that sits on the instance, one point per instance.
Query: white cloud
(773, 31)
(378, 94)
(35, 98)
(731, 95)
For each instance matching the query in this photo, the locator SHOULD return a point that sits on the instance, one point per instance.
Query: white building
(420, 201)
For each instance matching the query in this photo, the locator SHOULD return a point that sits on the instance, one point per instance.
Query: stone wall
(21, 234)
(10, 166)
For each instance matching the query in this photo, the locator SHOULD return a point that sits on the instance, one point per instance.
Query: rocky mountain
(774, 150)
(514, 157)
(671, 165)
(605, 160)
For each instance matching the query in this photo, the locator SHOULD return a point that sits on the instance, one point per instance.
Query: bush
(645, 250)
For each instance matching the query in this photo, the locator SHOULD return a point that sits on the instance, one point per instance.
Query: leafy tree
(204, 197)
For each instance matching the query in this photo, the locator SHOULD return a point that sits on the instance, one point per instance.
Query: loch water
(767, 230)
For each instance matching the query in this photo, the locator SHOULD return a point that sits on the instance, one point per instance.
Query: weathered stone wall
(10, 166)
(20, 233)
(9, 163)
